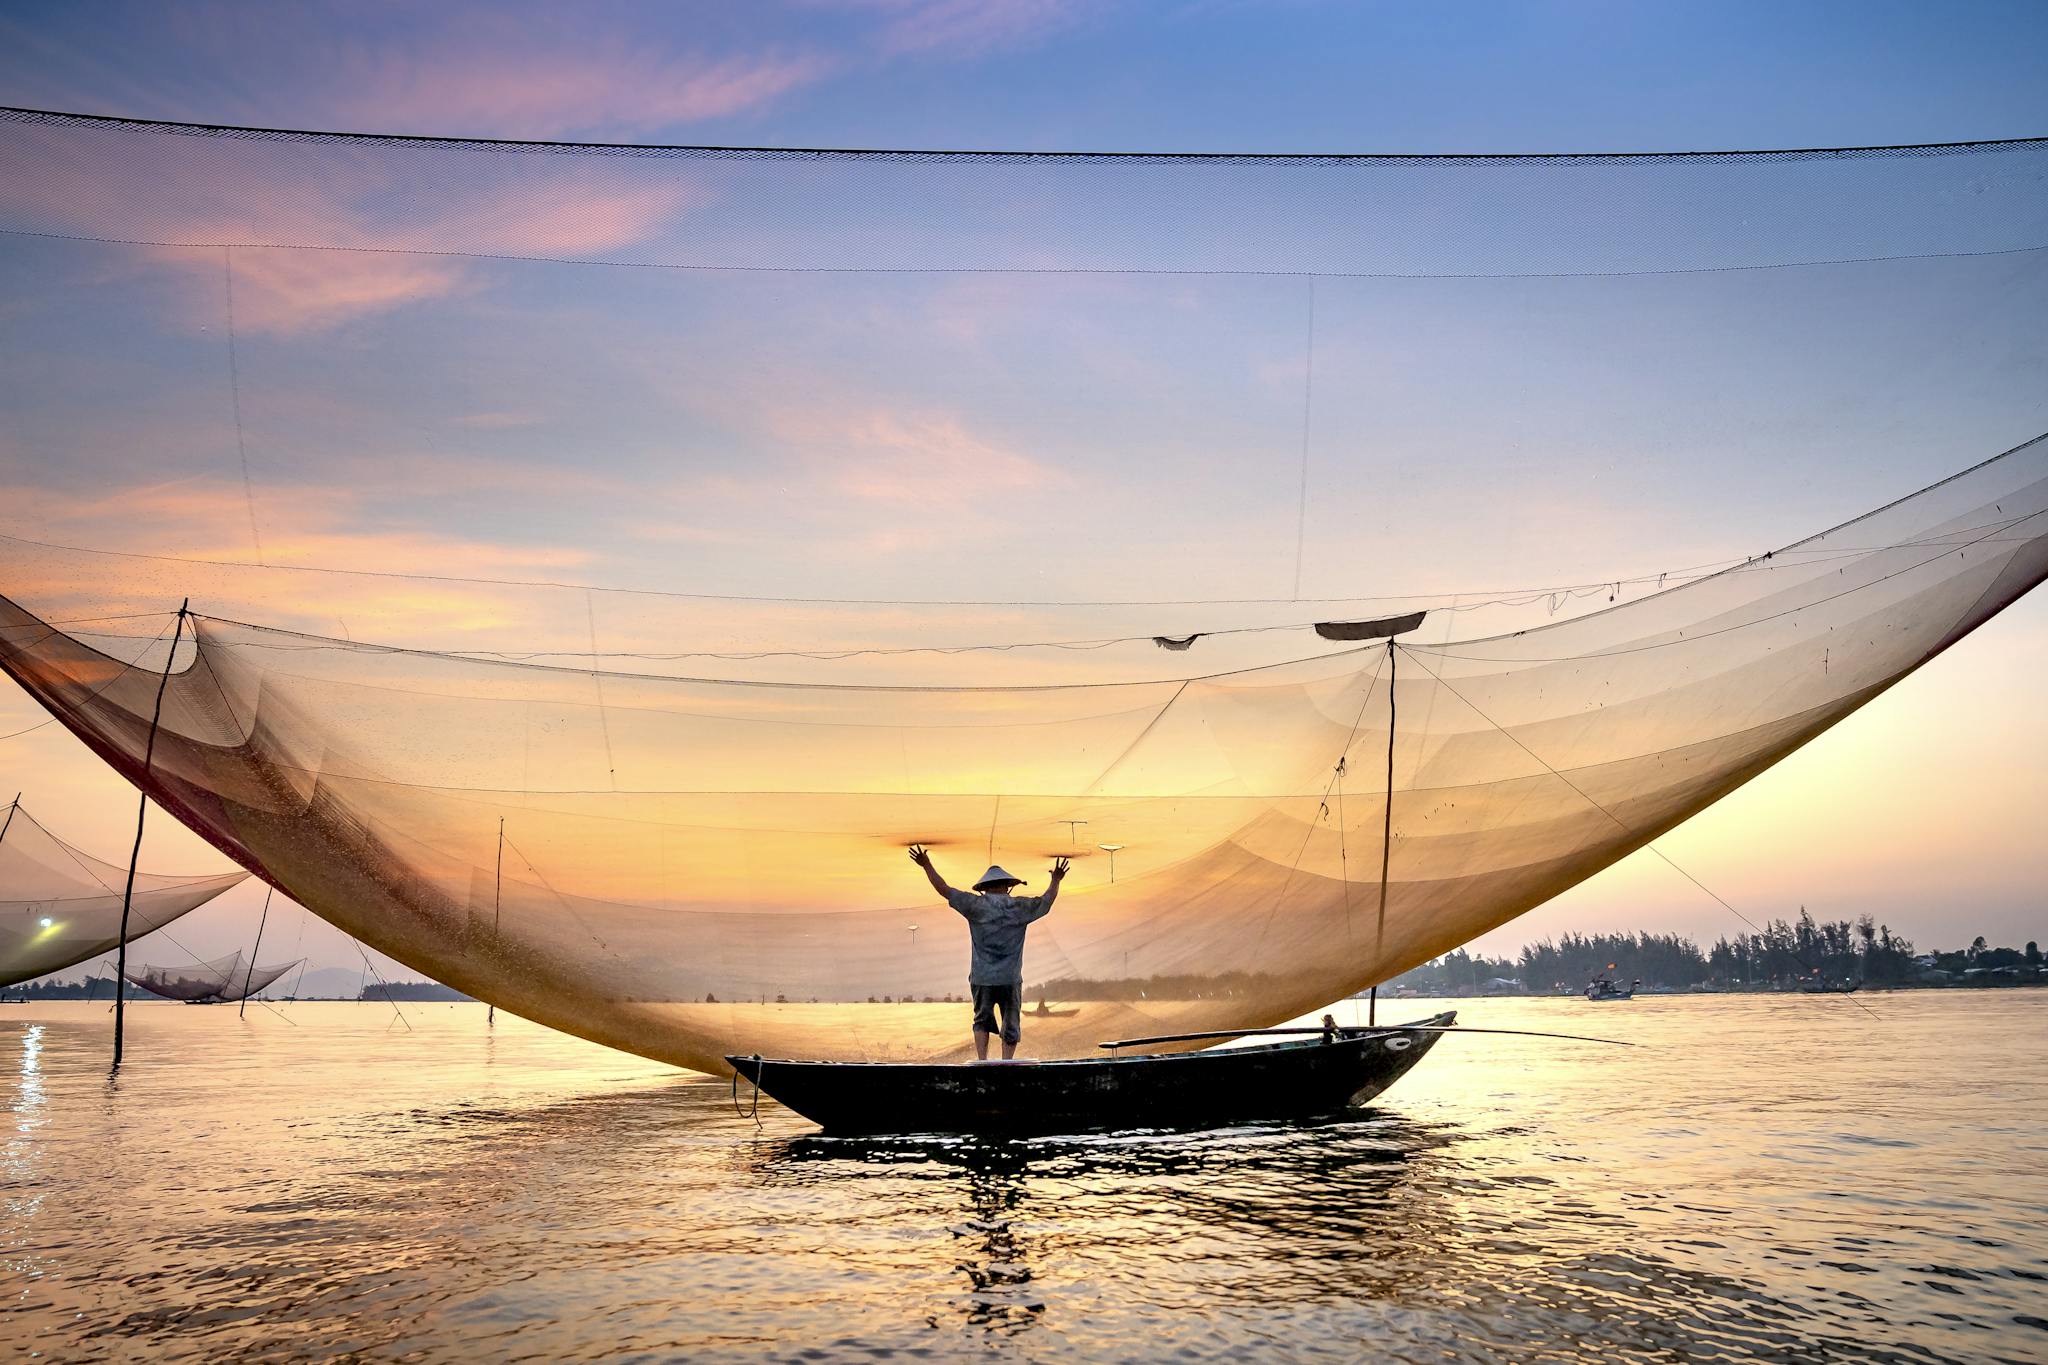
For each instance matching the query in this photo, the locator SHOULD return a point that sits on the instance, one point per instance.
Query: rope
(1171, 272)
(57, 118)
(371, 968)
(1308, 393)
(227, 265)
(1480, 597)
(755, 1112)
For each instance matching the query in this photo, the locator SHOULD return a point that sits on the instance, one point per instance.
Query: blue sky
(1282, 76)
(1051, 75)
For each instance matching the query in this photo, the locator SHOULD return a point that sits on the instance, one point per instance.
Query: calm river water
(1789, 1179)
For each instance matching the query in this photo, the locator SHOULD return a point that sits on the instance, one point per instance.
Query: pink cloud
(283, 292)
(325, 236)
(538, 89)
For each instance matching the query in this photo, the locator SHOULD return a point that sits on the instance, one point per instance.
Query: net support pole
(156, 716)
(1372, 1002)
(8, 823)
(497, 903)
(242, 1006)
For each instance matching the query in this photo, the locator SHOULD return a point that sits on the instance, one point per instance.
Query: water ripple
(334, 1191)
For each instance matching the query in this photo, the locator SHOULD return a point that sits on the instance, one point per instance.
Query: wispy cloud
(323, 239)
(963, 28)
(913, 457)
(542, 89)
(365, 272)
(306, 525)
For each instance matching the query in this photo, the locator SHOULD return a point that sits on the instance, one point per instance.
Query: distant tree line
(1835, 951)
(1783, 952)
(102, 988)
(92, 988)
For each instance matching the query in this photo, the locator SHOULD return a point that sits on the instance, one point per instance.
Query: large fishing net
(670, 815)
(220, 981)
(60, 906)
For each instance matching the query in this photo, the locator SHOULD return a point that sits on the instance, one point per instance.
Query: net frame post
(135, 854)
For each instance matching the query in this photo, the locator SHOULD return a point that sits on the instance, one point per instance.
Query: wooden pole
(242, 1007)
(497, 903)
(1372, 1008)
(128, 895)
(4, 825)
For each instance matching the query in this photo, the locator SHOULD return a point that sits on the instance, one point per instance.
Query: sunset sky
(614, 447)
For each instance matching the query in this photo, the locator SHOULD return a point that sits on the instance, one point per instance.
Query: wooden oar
(1360, 1033)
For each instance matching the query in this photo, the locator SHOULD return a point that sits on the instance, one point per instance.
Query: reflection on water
(1775, 1178)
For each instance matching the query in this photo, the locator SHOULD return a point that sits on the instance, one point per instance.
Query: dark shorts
(986, 1000)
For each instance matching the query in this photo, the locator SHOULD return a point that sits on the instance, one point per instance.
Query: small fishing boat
(1603, 989)
(1297, 1078)
(1829, 987)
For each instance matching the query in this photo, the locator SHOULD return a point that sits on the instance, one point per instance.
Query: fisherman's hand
(919, 856)
(1059, 868)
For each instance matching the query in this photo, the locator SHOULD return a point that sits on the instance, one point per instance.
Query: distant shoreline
(1873, 988)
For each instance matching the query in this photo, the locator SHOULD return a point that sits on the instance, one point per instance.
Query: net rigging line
(227, 264)
(1116, 271)
(314, 643)
(378, 976)
(1450, 652)
(1458, 602)
(1621, 824)
(1512, 596)
(1451, 649)
(1323, 806)
(174, 127)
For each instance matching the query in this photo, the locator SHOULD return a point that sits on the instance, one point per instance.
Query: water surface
(1791, 1179)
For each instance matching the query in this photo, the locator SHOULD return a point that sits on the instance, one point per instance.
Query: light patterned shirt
(996, 922)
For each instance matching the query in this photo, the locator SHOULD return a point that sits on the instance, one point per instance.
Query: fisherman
(996, 921)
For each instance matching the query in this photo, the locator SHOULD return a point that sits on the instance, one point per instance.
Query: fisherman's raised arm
(920, 856)
(1052, 890)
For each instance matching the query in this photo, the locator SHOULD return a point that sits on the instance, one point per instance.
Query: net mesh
(60, 906)
(223, 980)
(672, 821)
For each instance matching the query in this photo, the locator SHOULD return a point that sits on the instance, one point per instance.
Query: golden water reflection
(1782, 1177)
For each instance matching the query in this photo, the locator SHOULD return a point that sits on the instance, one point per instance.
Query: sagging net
(60, 906)
(224, 980)
(1016, 488)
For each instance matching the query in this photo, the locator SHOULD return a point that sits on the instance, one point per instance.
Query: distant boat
(1602, 989)
(1829, 987)
(1295, 1079)
(1043, 1011)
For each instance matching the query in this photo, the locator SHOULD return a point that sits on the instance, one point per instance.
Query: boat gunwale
(1345, 1034)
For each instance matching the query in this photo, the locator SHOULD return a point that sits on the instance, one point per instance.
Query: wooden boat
(1603, 989)
(1293, 1079)
(1829, 987)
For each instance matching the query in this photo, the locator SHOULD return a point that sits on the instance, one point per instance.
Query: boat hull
(1169, 1090)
